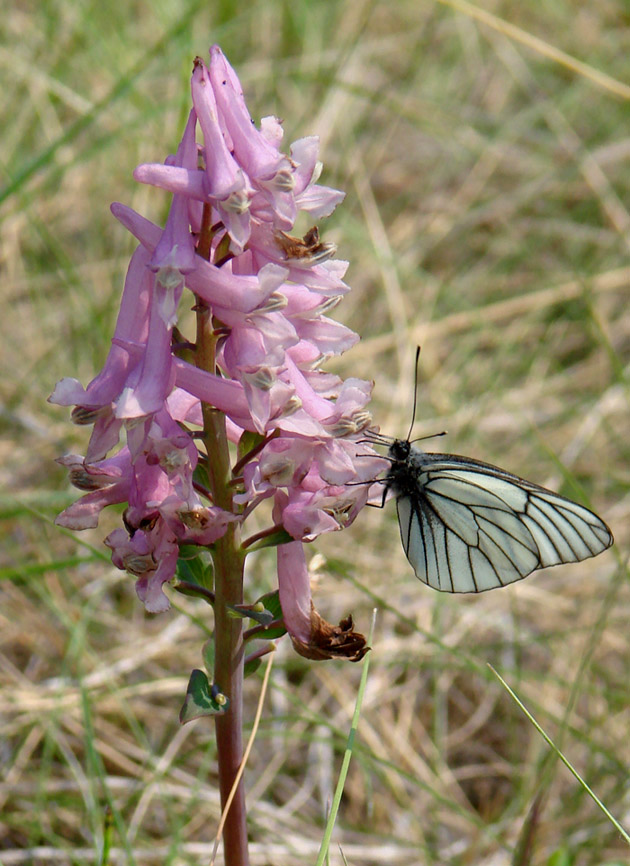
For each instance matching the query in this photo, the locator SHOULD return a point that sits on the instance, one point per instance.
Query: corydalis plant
(251, 376)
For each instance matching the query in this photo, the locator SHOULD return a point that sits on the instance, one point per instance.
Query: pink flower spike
(262, 297)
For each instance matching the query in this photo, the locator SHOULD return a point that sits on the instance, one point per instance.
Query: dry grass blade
(541, 46)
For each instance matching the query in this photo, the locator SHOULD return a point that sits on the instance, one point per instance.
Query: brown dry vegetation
(486, 218)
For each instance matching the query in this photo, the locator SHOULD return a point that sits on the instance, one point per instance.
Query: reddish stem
(228, 667)
(228, 588)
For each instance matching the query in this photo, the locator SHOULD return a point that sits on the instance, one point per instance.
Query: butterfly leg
(382, 504)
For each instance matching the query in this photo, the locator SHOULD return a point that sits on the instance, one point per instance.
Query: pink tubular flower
(235, 200)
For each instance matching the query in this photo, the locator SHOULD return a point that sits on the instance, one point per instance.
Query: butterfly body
(468, 526)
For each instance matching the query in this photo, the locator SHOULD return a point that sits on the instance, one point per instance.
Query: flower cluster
(269, 293)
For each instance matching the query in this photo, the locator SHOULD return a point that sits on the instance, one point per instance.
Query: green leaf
(272, 613)
(223, 248)
(194, 566)
(200, 475)
(272, 633)
(251, 667)
(254, 659)
(280, 536)
(202, 699)
(254, 611)
(248, 441)
(271, 602)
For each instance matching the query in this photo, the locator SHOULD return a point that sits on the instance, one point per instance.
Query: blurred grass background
(488, 180)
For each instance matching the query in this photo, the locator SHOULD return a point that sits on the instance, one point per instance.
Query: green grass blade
(564, 760)
(334, 809)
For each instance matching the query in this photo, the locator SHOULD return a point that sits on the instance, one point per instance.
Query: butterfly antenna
(430, 436)
(415, 394)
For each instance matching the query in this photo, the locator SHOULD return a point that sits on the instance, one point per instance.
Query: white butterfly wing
(468, 526)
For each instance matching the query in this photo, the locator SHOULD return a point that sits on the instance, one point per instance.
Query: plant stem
(228, 588)
(228, 667)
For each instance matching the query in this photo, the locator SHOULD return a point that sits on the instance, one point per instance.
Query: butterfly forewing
(467, 526)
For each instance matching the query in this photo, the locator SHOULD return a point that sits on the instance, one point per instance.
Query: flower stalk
(228, 631)
(228, 674)
(228, 564)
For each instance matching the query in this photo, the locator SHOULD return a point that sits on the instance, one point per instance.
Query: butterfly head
(401, 478)
(399, 450)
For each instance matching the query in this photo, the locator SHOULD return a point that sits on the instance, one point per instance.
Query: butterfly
(468, 526)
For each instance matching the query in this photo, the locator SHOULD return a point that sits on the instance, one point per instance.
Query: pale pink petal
(254, 152)
(304, 154)
(180, 181)
(223, 173)
(319, 201)
(154, 381)
(295, 590)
